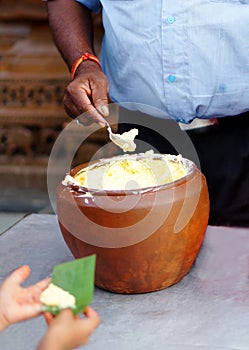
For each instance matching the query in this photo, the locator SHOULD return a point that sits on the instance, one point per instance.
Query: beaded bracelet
(84, 57)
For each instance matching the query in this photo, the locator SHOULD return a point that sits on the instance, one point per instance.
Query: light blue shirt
(187, 58)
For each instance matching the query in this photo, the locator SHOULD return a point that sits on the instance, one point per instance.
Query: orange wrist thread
(84, 57)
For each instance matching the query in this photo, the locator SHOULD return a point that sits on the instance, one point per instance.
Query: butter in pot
(131, 172)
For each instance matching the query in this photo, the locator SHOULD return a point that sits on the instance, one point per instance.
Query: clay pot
(144, 240)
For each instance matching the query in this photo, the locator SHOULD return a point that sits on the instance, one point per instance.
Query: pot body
(144, 241)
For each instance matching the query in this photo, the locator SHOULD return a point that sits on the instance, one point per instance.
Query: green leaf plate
(77, 278)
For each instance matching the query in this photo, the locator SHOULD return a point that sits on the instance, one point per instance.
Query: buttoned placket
(175, 57)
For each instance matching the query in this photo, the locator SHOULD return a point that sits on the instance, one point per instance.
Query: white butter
(126, 140)
(131, 172)
(56, 296)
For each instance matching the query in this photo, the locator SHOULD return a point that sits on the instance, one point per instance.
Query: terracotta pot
(144, 240)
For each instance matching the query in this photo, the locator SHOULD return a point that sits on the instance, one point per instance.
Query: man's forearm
(71, 27)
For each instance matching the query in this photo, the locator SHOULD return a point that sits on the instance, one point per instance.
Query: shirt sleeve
(93, 5)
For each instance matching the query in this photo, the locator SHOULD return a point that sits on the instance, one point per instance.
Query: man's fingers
(102, 107)
(99, 96)
(87, 109)
(70, 107)
(88, 95)
(80, 107)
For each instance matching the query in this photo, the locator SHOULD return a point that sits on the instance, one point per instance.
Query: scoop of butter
(56, 296)
(126, 140)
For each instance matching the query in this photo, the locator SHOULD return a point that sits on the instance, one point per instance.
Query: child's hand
(18, 303)
(67, 331)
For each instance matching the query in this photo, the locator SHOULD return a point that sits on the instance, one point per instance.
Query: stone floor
(7, 220)
(23, 200)
(16, 203)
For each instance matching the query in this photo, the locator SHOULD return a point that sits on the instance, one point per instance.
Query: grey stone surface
(9, 219)
(24, 200)
(207, 310)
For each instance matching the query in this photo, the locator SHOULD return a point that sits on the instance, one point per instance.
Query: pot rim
(188, 164)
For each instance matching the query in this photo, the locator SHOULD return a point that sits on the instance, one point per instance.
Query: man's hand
(87, 95)
(18, 303)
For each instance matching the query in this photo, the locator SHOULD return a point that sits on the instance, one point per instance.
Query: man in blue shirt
(188, 60)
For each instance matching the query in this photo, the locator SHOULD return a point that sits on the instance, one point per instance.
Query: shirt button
(171, 78)
(171, 19)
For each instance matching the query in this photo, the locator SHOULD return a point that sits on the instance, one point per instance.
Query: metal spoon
(125, 141)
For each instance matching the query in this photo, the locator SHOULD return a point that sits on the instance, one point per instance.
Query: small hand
(18, 303)
(87, 95)
(67, 331)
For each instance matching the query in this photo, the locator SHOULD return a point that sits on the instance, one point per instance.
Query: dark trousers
(221, 152)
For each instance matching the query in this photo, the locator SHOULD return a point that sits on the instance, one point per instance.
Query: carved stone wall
(33, 77)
